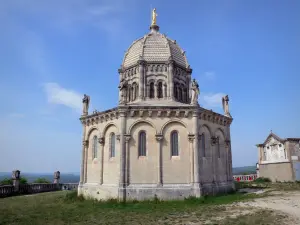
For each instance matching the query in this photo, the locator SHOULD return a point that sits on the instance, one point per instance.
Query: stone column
(141, 64)
(159, 139)
(16, 180)
(192, 159)
(165, 91)
(213, 157)
(122, 191)
(85, 157)
(85, 144)
(229, 152)
(101, 141)
(127, 156)
(155, 91)
(171, 80)
(196, 152)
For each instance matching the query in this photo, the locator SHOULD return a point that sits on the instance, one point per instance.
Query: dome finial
(154, 26)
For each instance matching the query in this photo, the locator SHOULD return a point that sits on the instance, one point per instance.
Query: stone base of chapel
(144, 191)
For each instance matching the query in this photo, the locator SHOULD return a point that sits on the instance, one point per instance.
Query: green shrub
(23, 180)
(263, 180)
(41, 181)
(6, 181)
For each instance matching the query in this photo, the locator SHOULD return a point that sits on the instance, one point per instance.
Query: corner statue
(154, 15)
(225, 104)
(122, 93)
(86, 103)
(195, 92)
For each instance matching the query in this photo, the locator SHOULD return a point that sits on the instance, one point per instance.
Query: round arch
(172, 121)
(108, 126)
(221, 131)
(141, 121)
(90, 131)
(207, 127)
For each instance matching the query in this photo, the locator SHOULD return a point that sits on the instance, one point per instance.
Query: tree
(6, 181)
(23, 180)
(42, 181)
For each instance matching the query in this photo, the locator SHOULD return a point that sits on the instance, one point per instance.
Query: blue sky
(52, 52)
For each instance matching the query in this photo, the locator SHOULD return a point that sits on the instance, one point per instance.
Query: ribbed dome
(154, 47)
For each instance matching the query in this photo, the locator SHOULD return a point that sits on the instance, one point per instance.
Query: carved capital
(101, 140)
(214, 140)
(118, 137)
(127, 137)
(159, 137)
(149, 113)
(159, 113)
(191, 138)
(85, 143)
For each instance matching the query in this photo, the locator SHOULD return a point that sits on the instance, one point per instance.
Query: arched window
(203, 144)
(129, 93)
(142, 143)
(218, 147)
(180, 94)
(174, 143)
(95, 146)
(151, 90)
(112, 147)
(136, 91)
(132, 93)
(175, 91)
(159, 90)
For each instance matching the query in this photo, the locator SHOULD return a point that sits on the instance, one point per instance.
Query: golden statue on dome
(154, 15)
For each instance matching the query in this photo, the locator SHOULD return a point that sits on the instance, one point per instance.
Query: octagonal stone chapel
(158, 142)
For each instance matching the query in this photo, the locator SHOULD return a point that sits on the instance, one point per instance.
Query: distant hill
(244, 170)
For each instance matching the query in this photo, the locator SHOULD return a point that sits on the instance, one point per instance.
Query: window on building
(129, 93)
(151, 90)
(95, 146)
(175, 91)
(159, 90)
(142, 144)
(112, 150)
(180, 94)
(174, 143)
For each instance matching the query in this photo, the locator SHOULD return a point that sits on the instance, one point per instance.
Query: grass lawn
(64, 207)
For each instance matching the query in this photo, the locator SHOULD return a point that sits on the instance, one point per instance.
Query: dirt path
(286, 202)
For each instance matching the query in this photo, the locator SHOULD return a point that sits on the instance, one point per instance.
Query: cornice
(213, 117)
(156, 111)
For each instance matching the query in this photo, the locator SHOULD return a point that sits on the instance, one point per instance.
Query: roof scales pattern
(154, 47)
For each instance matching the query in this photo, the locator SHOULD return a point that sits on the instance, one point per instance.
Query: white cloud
(211, 99)
(210, 75)
(61, 96)
(70, 14)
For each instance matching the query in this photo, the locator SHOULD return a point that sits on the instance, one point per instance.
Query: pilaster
(192, 159)
(159, 139)
(127, 166)
(101, 141)
(141, 64)
(196, 152)
(82, 168)
(171, 83)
